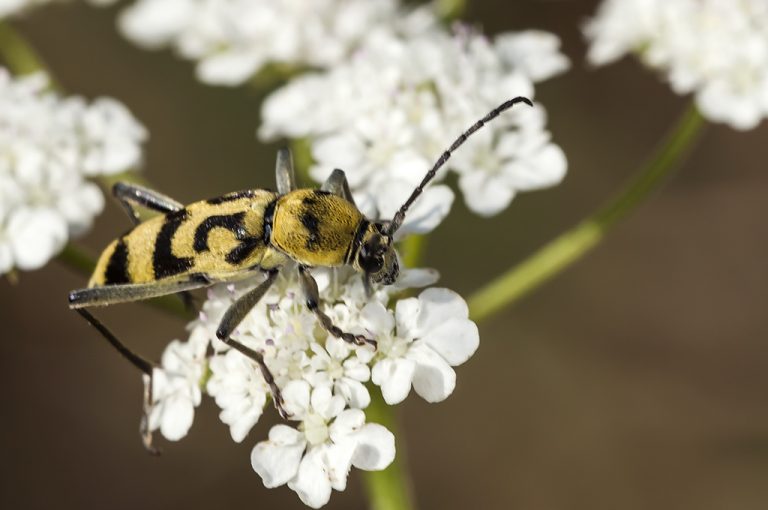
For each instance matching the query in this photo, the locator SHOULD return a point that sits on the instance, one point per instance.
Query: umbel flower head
(49, 146)
(325, 382)
(231, 40)
(385, 115)
(715, 49)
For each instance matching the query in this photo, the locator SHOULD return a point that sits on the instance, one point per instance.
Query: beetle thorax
(315, 228)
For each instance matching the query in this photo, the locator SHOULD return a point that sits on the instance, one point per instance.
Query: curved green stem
(569, 247)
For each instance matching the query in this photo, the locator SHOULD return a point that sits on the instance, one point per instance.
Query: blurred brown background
(635, 380)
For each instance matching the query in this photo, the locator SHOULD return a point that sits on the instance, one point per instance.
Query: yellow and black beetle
(232, 236)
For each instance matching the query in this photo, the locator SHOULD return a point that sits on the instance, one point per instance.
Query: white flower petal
(346, 424)
(153, 23)
(416, 278)
(394, 376)
(37, 235)
(433, 379)
(485, 194)
(354, 392)
(297, 398)
(229, 69)
(311, 482)
(177, 415)
(277, 460)
(544, 169)
(535, 51)
(456, 340)
(376, 318)
(375, 448)
(437, 305)
(338, 461)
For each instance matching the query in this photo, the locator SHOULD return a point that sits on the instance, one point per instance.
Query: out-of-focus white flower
(48, 145)
(535, 51)
(176, 386)
(12, 7)
(716, 49)
(318, 456)
(231, 40)
(387, 114)
(432, 334)
(239, 390)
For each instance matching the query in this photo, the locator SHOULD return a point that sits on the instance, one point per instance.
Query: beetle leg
(233, 317)
(312, 295)
(142, 364)
(123, 293)
(338, 185)
(129, 194)
(286, 178)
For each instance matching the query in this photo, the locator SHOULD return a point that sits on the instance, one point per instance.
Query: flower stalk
(391, 488)
(18, 55)
(572, 245)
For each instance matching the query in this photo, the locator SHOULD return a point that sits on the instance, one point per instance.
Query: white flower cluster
(13, 7)
(49, 145)
(717, 49)
(231, 40)
(385, 115)
(323, 379)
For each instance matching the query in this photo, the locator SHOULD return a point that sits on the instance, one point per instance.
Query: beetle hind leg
(233, 317)
(146, 368)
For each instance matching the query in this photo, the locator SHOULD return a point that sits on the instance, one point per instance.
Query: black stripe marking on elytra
(269, 217)
(231, 197)
(117, 267)
(243, 250)
(231, 222)
(164, 262)
(312, 224)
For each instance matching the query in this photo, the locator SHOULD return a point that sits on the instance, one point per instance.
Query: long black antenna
(397, 220)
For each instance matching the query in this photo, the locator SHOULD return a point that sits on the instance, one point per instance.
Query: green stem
(569, 247)
(449, 10)
(389, 489)
(18, 55)
(78, 260)
(412, 250)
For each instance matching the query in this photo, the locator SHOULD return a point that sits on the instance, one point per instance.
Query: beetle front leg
(312, 296)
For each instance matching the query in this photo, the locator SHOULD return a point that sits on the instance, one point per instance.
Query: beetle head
(376, 256)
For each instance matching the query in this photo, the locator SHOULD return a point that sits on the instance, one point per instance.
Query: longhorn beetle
(231, 237)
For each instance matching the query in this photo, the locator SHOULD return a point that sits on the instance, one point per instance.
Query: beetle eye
(371, 263)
